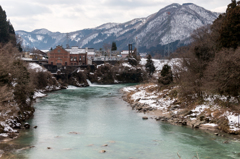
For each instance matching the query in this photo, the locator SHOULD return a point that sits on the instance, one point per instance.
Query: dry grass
(129, 96)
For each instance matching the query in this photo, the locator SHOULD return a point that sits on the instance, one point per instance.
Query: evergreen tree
(166, 75)
(150, 68)
(230, 31)
(11, 29)
(4, 27)
(114, 46)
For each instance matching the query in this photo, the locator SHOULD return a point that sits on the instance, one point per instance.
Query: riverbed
(81, 122)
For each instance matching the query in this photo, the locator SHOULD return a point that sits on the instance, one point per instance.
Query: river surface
(76, 124)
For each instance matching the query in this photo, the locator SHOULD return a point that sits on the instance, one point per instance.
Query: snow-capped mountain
(172, 24)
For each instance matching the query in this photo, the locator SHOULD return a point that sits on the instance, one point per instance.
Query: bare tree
(107, 47)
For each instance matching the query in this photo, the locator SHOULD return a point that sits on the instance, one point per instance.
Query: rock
(207, 120)
(90, 145)
(18, 126)
(165, 119)
(173, 107)
(1, 152)
(188, 113)
(105, 145)
(103, 151)
(192, 116)
(144, 117)
(202, 117)
(226, 142)
(1, 129)
(176, 102)
(35, 127)
(49, 148)
(216, 134)
(184, 122)
(27, 126)
(74, 133)
(12, 134)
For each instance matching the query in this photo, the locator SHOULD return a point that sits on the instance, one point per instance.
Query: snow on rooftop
(91, 53)
(76, 50)
(125, 52)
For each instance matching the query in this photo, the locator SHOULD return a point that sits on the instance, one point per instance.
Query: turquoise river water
(77, 122)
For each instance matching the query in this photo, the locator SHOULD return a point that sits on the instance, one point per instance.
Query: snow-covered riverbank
(11, 121)
(164, 105)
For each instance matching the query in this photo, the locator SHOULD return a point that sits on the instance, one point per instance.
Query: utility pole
(67, 46)
(168, 48)
(137, 45)
(130, 50)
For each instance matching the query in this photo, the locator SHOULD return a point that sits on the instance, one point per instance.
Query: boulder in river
(27, 126)
(144, 117)
(105, 145)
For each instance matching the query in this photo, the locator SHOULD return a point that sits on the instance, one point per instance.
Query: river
(78, 123)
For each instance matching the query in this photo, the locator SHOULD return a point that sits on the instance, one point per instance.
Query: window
(80, 58)
(65, 63)
(75, 64)
(58, 51)
(71, 64)
(71, 58)
(75, 58)
(51, 63)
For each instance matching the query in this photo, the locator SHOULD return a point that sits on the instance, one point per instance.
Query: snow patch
(36, 67)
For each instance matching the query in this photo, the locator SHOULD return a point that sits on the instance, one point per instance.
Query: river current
(78, 123)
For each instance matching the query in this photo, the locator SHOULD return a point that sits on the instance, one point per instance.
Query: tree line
(211, 63)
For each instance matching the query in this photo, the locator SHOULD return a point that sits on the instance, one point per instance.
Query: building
(68, 57)
(124, 53)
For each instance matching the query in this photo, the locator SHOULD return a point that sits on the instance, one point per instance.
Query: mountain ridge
(171, 24)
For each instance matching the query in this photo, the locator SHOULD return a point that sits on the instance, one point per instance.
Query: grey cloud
(87, 12)
(27, 9)
(62, 2)
(126, 4)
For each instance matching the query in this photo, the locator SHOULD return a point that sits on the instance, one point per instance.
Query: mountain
(172, 24)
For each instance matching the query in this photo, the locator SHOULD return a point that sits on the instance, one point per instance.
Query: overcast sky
(72, 15)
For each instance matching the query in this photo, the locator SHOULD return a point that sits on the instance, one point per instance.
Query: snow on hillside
(40, 38)
(88, 39)
(36, 67)
(159, 63)
(107, 26)
(157, 29)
